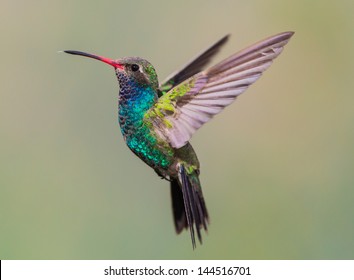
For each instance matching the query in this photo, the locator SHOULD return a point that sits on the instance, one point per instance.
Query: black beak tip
(71, 52)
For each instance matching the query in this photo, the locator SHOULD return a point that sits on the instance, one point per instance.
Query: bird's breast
(146, 145)
(144, 142)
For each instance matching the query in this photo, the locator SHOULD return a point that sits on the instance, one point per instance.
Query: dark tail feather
(189, 208)
(179, 214)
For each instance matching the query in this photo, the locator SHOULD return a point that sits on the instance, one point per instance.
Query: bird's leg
(162, 176)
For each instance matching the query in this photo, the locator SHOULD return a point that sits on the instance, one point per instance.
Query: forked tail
(188, 204)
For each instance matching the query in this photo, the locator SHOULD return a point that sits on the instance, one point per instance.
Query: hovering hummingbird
(158, 120)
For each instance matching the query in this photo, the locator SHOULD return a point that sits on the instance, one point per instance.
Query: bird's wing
(186, 107)
(194, 66)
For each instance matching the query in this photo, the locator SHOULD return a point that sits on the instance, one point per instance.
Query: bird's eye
(135, 67)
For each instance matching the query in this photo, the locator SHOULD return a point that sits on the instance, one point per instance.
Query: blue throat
(134, 101)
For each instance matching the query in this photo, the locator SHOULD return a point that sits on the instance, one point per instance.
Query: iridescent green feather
(167, 103)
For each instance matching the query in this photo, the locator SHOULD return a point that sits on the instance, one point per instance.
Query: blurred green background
(277, 165)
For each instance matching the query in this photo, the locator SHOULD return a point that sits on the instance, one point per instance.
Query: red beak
(109, 61)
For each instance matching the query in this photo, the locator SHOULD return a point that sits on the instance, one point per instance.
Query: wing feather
(194, 66)
(186, 107)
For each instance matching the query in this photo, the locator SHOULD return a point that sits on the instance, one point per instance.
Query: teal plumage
(157, 121)
(136, 97)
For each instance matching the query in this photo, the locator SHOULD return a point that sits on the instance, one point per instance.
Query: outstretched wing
(194, 66)
(186, 107)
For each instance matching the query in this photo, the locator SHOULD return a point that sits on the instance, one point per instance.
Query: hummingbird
(157, 120)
